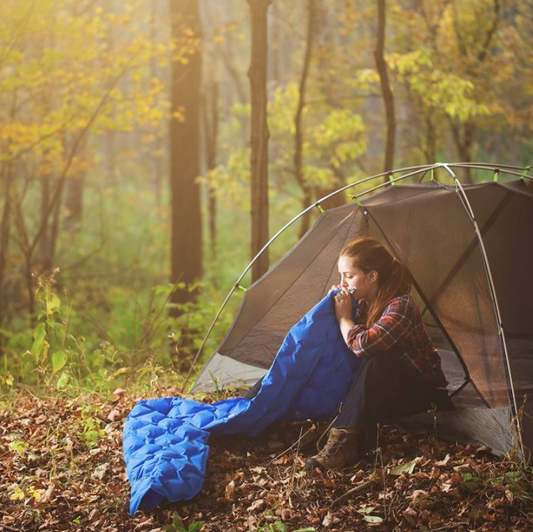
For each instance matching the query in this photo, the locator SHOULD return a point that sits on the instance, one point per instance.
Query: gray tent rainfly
(469, 249)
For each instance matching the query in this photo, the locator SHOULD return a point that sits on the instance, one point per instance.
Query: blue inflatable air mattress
(165, 440)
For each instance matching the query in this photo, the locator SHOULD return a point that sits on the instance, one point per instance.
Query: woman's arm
(390, 329)
(345, 325)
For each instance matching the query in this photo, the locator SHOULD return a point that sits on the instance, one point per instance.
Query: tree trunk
(54, 228)
(154, 73)
(464, 140)
(4, 240)
(186, 243)
(298, 125)
(74, 200)
(275, 44)
(259, 135)
(44, 260)
(431, 140)
(109, 137)
(211, 120)
(388, 97)
(74, 188)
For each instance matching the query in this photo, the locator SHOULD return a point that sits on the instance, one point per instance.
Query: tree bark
(154, 73)
(45, 261)
(463, 136)
(431, 140)
(110, 137)
(4, 240)
(275, 44)
(74, 200)
(298, 122)
(259, 135)
(186, 238)
(211, 120)
(388, 97)
(54, 229)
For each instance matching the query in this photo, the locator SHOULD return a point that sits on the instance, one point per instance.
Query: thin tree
(186, 239)
(154, 73)
(74, 192)
(464, 133)
(259, 134)
(6, 180)
(386, 91)
(325, 34)
(298, 122)
(211, 121)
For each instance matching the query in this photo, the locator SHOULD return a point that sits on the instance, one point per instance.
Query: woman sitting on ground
(400, 371)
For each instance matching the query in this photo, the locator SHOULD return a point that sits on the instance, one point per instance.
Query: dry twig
(350, 492)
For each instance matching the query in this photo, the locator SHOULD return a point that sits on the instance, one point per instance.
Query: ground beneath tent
(62, 469)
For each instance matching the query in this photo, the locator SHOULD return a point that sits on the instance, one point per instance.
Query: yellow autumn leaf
(17, 494)
(36, 493)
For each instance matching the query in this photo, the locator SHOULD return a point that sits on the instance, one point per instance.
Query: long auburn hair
(394, 279)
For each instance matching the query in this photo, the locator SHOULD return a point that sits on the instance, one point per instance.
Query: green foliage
(111, 338)
(83, 80)
(515, 483)
(279, 526)
(18, 446)
(178, 526)
(342, 135)
(472, 482)
(90, 428)
(439, 90)
(333, 137)
(232, 180)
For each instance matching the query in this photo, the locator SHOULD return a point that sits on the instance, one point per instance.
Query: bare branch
(17, 34)
(76, 145)
(490, 33)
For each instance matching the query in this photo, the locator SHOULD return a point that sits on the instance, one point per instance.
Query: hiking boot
(342, 450)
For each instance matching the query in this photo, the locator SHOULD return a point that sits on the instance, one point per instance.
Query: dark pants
(386, 387)
(254, 390)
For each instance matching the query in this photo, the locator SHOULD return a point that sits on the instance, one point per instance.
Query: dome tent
(469, 249)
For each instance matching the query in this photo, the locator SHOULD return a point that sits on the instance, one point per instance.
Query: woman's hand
(334, 287)
(343, 305)
(343, 312)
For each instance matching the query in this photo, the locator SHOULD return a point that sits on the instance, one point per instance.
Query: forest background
(138, 176)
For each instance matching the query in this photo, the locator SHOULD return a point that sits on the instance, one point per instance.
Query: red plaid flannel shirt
(400, 326)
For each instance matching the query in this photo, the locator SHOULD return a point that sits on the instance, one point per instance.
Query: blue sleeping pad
(165, 440)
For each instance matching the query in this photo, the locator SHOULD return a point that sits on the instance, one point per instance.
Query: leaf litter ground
(62, 469)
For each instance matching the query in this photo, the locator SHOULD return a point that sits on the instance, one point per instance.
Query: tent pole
(470, 213)
(388, 183)
(487, 165)
(416, 170)
(492, 168)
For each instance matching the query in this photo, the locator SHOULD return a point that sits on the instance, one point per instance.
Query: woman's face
(365, 284)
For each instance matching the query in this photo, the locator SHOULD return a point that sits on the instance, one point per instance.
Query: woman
(400, 371)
